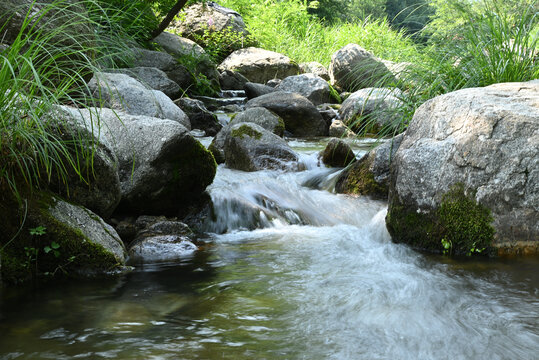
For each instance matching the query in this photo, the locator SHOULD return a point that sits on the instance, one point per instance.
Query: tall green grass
(47, 64)
(288, 28)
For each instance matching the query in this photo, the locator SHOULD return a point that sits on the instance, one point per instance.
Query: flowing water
(288, 270)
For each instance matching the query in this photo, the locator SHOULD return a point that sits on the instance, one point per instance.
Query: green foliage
(219, 44)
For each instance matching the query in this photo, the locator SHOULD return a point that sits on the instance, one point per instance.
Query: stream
(288, 270)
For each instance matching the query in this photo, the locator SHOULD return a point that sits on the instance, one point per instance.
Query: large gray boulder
(200, 117)
(353, 68)
(259, 65)
(162, 168)
(372, 109)
(250, 147)
(370, 175)
(201, 17)
(300, 116)
(467, 172)
(99, 190)
(315, 68)
(122, 92)
(152, 78)
(164, 62)
(311, 86)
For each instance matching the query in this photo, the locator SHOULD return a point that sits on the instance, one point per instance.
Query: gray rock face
(178, 46)
(328, 112)
(338, 129)
(262, 117)
(315, 68)
(166, 63)
(371, 109)
(162, 241)
(254, 90)
(370, 175)
(101, 193)
(152, 78)
(201, 17)
(250, 147)
(311, 86)
(161, 167)
(200, 117)
(486, 139)
(259, 65)
(337, 153)
(94, 229)
(231, 80)
(122, 92)
(181, 48)
(353, 68)
(300, 116)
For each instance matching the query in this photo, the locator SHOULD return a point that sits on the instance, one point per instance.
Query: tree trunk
(166, 21)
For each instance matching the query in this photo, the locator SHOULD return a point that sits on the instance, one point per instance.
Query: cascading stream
(290, 271)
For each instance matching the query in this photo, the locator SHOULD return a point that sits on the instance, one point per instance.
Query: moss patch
(359, 180)
(279, 129)
(247, 131)
(459, 221)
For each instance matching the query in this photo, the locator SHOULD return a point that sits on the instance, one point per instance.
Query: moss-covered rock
(55, 238)
(338, 153)
(458, 226)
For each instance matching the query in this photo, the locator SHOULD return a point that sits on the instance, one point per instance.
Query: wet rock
(273, 82)
(353, 68)
(328, 112)
(337, 154)
(300, 116)
(370, 174)
(152, 78)
(250, 147)
(253, 90)
(259, 65)
(372, 109)
(310, 86)
(469, 162)
(199, 117)
(122, 92)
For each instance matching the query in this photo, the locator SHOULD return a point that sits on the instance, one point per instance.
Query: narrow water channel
(289, 270)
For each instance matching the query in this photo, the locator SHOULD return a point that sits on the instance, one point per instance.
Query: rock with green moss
(56, 238)
(370, 174)
(470, 161)
(300, 116)
(162, 168)
(250, 147)
(337, 154)
(260, 116)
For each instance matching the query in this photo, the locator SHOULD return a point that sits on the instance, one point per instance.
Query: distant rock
(200, 117)
(353, 68)
(259, 65)
(153, 78)
(315, 68)
(254, 90)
